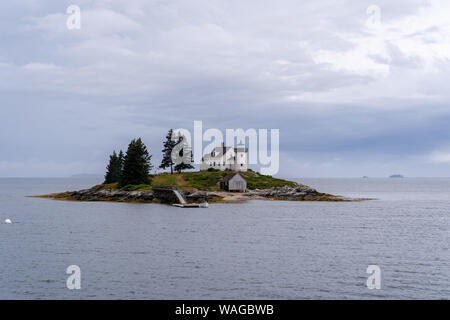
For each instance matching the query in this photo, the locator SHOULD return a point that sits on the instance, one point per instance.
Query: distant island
(128, 179)
(396, 176)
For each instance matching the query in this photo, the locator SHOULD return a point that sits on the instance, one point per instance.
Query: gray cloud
(347, 99)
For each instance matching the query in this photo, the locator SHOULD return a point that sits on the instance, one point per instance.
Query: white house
(226, 158)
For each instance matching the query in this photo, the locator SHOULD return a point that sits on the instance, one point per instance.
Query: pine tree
(182, 145)
(184, 166)
(114, 168)
(136, 164)
(169, 144)
(121, 160)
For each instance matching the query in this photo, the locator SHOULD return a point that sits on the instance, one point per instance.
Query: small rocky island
(196, 186)
(127, 179)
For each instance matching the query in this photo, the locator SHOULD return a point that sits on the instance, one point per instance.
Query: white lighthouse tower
(241, 157)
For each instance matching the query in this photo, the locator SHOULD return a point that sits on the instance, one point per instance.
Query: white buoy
(8, 221)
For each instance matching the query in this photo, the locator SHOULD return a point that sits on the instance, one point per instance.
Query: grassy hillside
(204, 180)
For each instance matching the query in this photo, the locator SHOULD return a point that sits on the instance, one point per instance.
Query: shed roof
(229, 176)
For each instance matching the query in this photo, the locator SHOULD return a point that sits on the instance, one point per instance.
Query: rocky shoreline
(287, 193)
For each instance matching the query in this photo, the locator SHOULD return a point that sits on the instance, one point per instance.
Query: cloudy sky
(355, 87)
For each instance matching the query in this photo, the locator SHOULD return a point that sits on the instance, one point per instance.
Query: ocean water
(253, 250)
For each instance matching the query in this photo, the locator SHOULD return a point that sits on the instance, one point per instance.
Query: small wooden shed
(233, 182)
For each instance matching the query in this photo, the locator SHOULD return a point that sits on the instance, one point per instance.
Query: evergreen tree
(114, 168)
(121, 160)
(169, 144)
(180, 147)
(136, 164)
(184, 166)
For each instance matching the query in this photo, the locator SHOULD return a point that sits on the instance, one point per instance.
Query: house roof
(229, 176)
(219, 152)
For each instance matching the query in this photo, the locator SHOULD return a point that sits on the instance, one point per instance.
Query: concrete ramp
(183, 203)
(180, 197)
